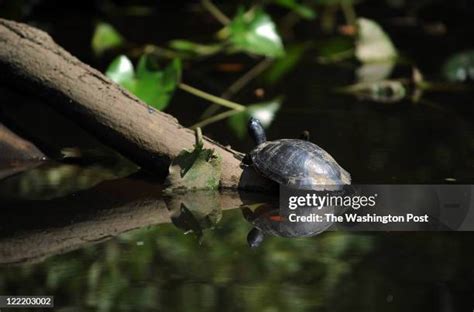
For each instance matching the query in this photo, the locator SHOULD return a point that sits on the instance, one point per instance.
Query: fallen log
(16, 153)
(13, 147)
(30, 60)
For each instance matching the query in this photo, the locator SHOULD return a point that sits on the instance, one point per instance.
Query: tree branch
(30, 60)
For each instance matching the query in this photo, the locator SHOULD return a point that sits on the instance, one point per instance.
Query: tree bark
(30, 60)
(13, 147)
(16, 153)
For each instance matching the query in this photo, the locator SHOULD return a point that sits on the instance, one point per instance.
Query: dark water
(113, 247)
(99, 236)
(121, 246)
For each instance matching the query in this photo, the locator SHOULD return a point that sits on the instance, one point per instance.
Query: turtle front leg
(304, 135)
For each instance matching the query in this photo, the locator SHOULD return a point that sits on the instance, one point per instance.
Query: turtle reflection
(269, 219)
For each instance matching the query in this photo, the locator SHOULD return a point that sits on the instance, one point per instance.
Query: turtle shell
(275, 222)
(299, 164)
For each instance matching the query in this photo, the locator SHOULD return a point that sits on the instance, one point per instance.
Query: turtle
(295, 163)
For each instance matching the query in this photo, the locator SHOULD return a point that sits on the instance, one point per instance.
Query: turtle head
(255, 238)
(256, 131)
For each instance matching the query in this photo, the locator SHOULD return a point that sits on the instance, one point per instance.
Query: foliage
(299, 8)
(254, 32)
(383, 91)
(199, 169)
(460, 67)
(193, 49)
(105, 38)
(158, 267)
(373, 44)
(153, 86)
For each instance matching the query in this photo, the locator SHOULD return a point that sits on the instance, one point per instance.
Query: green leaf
(105, 38)
(373, 44)
(153, 86)
(172, 75)
(122, 72)
(265, 112)
(300, 9)
(198, 169)
(459, 67)
(148, 83)
(254, 32)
